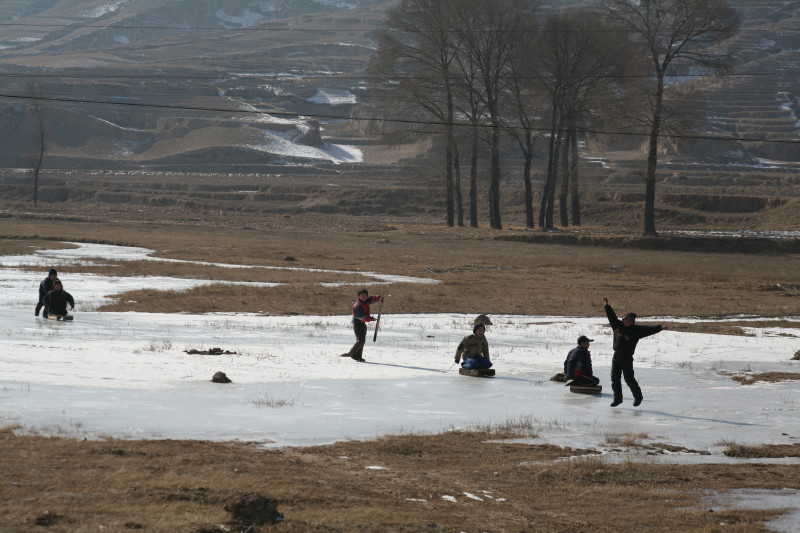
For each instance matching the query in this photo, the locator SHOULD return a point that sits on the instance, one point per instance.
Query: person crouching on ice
(55, 302)
(360, 318)
(474, 349)
(578, 365)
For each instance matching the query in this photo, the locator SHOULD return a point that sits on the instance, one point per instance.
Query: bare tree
(471, 104)
(414, 60)
(577, 63)
(671, 34)
(501, 24)
(525, 107)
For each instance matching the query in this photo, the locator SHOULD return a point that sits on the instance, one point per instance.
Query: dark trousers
(586, 380)
(360, 329)
(622, 366)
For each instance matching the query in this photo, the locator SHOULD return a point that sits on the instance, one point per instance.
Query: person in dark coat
(360, 318)
(626, 336)
(55, 301)
(44, 287)
(578, 365)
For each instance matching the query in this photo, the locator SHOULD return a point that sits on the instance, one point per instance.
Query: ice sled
(59, 317)
(477, 372)
(586, 389)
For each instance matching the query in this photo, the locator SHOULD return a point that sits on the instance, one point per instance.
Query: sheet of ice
(762, 499)
(19, 286)
(128, 375)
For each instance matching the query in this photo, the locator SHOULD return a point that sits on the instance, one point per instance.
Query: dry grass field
(62, 485)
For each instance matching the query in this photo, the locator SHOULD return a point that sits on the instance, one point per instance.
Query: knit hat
(632, 316)
(52, 272)
(483, 319)
(478, 325)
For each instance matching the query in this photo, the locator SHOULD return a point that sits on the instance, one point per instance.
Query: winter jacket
(44, 287)
(361, 309)
(625, 339)
(55, 302)
(472, 346)
(578, 363)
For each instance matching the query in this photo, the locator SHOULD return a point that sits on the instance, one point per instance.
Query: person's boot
(637, 402)
(616, 402)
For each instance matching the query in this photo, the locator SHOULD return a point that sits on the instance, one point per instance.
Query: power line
(382, 120)
(288, 28)
(289, 77)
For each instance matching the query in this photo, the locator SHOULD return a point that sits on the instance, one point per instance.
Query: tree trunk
(549, 181)
(450, 151)
(563, 209)
(458, 197)
(37, 167)
(652, 162)
(473, 180)
(494, 187)
(527, 180)
(551, 192)
(573, 174)
(448, 183)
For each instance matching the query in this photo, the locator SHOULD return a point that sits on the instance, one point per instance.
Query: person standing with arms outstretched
(626, 336)
(360, 318)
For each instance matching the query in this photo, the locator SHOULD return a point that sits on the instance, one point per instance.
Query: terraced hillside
(243, 105)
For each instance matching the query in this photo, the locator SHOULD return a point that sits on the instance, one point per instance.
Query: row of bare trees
(501, 69)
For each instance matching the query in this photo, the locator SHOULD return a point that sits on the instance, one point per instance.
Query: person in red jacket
(360, 318)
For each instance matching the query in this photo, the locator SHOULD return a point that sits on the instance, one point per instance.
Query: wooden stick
(378, 322)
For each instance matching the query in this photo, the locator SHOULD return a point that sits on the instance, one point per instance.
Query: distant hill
(191, 80)
(255, 88)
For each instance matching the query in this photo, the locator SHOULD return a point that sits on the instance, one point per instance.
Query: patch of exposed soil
(767, 377)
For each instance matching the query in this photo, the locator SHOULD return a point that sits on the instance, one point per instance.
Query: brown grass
(769, 377)
(78, 486)
(477, 273)
(81, 486)
(762, 451)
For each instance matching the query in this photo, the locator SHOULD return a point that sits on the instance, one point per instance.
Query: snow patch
(333, 97)
(247, 18)
(275, 144)
(100, 11)
(336, 4)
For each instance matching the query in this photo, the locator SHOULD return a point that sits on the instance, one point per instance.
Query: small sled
(477, 372)
(59, 317)
(586, 389)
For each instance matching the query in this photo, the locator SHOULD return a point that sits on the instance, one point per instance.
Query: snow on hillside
(247, 18)
(105, 9)
(280, 146)
(333, 97)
